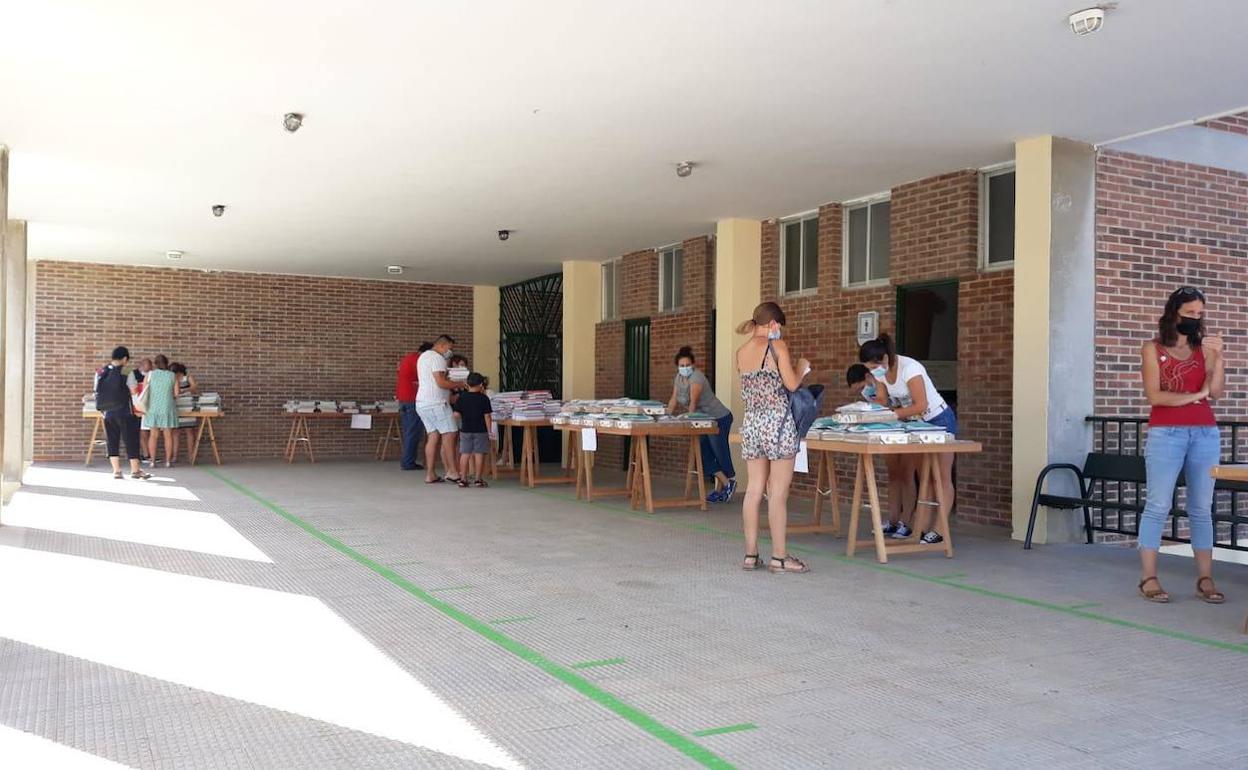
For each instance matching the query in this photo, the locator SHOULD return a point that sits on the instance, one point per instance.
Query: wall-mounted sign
(868, 326)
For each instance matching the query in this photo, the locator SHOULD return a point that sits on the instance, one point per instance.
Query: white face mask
(447, 355)
(685, 371)
(773, 334)
(869, 392)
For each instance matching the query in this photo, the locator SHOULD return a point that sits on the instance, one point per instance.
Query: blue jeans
(1169, 452)
(715, 453)
(413, 432)
(947, 420)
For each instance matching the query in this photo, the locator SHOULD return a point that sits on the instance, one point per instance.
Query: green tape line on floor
(518, 619)
(597, 663)
(944, 581)
(723, 730)
(645, 722)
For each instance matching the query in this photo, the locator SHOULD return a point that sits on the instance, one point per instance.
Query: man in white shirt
(434, 408)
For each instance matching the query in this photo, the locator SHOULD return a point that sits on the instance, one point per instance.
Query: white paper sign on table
(801, 463)
(589, 440)
(362, 421)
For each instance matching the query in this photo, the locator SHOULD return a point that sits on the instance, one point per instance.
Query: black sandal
(435, 480)
(787, 564)
(756, 564)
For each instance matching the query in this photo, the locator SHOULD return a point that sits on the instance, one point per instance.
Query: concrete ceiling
(430, 126)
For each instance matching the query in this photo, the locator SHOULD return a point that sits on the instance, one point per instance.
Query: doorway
(636, 367)
(927, 331)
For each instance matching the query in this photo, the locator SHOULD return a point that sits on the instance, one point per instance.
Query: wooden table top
(93, 415)
(1230, 472)
(337, 415)
(646, 430)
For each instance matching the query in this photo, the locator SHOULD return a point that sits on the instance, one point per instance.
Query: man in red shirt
(405, 393)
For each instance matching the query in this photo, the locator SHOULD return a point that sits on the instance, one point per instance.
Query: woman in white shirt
(909, 391)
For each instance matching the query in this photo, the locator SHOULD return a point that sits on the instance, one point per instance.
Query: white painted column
(14, 267)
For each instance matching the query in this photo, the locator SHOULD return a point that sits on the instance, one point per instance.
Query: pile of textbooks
(887, 432)
(528, 405)
(864, 412)
(457, 373)
(204, 403)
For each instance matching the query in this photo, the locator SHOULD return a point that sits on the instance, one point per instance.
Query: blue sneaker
(715, 496)
(727, 492)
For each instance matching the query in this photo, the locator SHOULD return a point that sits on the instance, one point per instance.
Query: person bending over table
(908, 391)
(769, 440)
(691, 392)
(433, 406)
(1182, 370)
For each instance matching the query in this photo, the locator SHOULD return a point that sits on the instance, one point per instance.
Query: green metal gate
(531, 335)
(636, 368)
(637, 358)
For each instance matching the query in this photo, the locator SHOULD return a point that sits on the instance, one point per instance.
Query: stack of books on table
(348, 407)
(504, 403)
(380, 407)
(878, 433)
(635, 406)
(204, 403)
(864, 412)
(88, 405)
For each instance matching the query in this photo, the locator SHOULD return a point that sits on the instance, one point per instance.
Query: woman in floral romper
(769, 440)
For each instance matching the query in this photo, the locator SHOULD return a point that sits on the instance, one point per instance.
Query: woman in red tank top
(1182, 370)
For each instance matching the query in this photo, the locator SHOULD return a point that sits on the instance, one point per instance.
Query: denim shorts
(437, 418)
(474, 443)
(947, 420)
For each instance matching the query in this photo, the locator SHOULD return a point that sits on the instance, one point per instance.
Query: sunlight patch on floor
(27, 750)
(198, 531)
(103, 481)
(280, 650)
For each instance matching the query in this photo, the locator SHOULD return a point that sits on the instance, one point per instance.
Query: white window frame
(664, 251)
(802, 217)
(612, 265)
(985, 174)
(854, 205)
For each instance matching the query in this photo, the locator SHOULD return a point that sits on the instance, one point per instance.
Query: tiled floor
(346, 615)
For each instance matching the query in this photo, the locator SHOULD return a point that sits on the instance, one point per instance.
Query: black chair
(1096, 467)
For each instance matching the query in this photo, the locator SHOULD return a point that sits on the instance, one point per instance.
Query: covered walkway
(277, 616)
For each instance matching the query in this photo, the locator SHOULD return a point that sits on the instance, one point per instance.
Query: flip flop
(435, 480)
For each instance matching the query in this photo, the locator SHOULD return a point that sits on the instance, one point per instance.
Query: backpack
(804, 403)
(111, 390)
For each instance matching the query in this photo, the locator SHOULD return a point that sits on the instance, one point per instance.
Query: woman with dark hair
(185, 434)
(769, 440)
(162, 408)
(1182, 370)
(691, 392)
(910, 392)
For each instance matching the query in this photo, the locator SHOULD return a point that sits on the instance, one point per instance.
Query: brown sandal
(1212, 596)
(1158, 595)
(787, 564)
(752, 562)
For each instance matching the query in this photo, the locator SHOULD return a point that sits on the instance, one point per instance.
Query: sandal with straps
(752, 562)
(1213, 595)
(787, 564)
(1156, 595)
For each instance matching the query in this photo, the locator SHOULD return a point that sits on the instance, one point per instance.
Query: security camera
(292, 121)
(684, 168)
(504, 235)
(218, 209)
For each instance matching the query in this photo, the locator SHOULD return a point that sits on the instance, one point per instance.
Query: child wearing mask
(475, 411)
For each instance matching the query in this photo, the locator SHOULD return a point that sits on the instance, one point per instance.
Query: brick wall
(1236, 124)
(933, 236)
(669, 331)
(257, 339)
(1160, 225)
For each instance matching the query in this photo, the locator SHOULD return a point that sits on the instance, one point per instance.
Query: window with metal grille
(671, 284)
(799, 253)
(867, 242)
(611, 290)
(996, 217)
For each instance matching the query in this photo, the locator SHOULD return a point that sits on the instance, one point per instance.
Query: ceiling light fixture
(684, 168)
(504, 235)
(292, 121)
(218, 210)
(1089, 20)
(394, 269)
(174, 254)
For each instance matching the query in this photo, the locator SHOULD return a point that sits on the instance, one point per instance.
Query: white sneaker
(901, 533)
(931, 537)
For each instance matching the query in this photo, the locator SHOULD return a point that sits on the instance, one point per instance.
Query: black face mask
(1188, 326)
